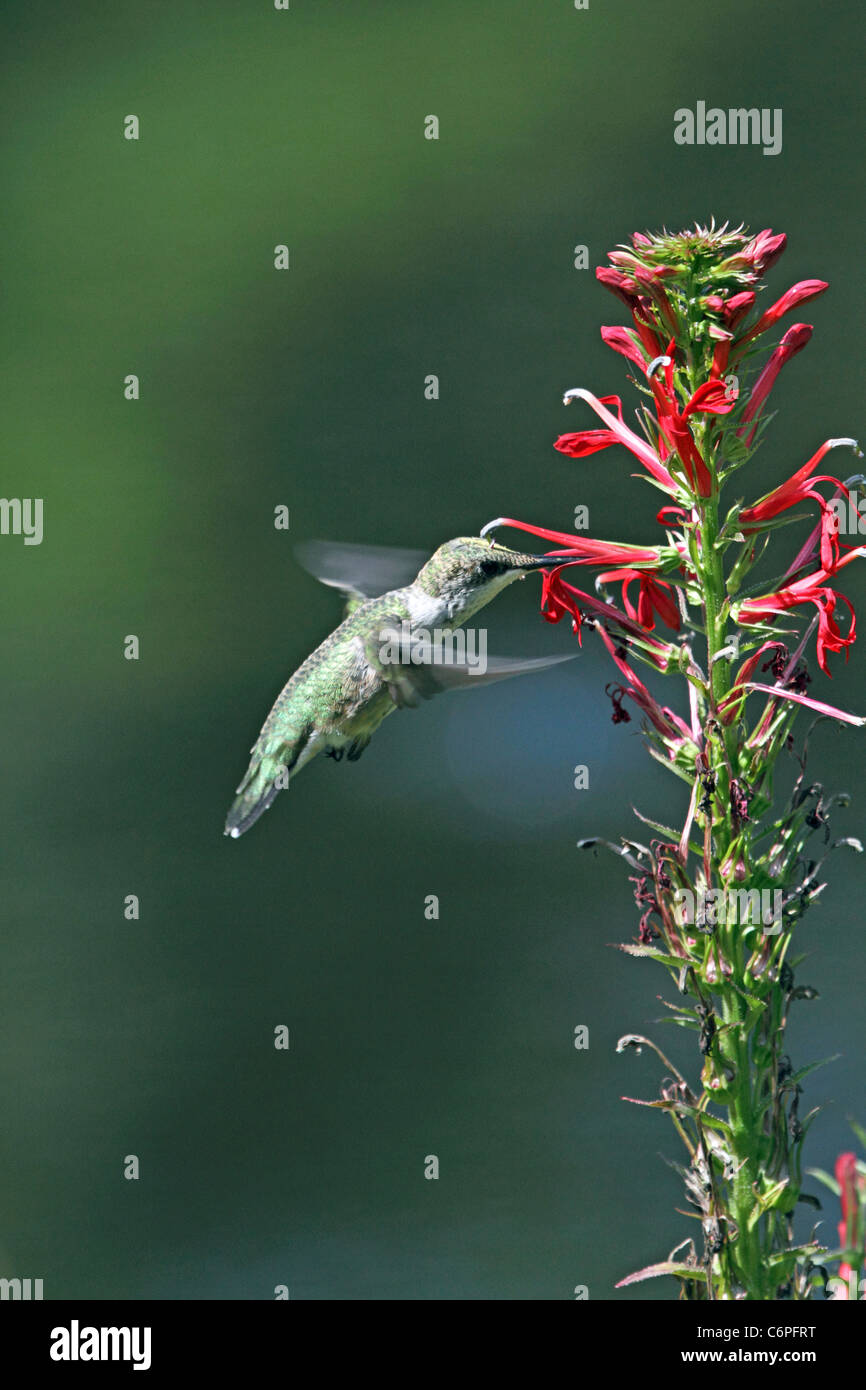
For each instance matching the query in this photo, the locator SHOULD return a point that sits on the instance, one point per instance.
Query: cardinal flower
(666, 722)
(737, 306)
(814, 589)
(628, 291)
(583, 550)
(852, 1235)
(654, 596)
(793, 342)
(618, 284)
(626, 342)
(797, 294)
(560, 599)
(796, 489)
(711, 398)
(761, 252)
(783, 667)
(617, 432)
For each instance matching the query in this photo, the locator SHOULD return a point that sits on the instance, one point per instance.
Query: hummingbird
(385, 654)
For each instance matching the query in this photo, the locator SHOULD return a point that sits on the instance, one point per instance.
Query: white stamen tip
(657, 362)
(849, 443)
(235, 835)
(492, 526)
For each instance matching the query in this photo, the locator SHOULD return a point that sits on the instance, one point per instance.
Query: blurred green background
(305, 388)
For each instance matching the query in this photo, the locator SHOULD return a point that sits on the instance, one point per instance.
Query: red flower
(654, 596)
(621, 285)
(590, 441)
(812, 589)
(583, 550)
(651, 281)
(737, 306)
(559, 598)
(645, 330)
(793, 342)
(795, 490)
(624, 341)
(763, 250)
(797, 294)
(672, 728)
(710, 398)
(628, 290)
(852, 1235)
(721, 353)
(782, 666)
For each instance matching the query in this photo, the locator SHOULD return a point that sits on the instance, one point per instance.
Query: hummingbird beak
(543, 562)
(525, 562)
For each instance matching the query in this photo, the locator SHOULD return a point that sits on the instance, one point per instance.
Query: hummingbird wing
(437, 679)
(426, 668)
(360, 571)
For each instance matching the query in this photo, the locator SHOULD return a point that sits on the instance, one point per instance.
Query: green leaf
(765, 1202)
(681, 1271)
(633, 949)
(653, 1104)
(714, 1121)
(683, 1022)
(687, 777)
(813, 1066)
(858, 1130)
(826, 1179)
(798, 1252)
(666, 830)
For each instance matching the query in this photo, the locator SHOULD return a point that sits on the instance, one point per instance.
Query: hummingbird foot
(356, 748)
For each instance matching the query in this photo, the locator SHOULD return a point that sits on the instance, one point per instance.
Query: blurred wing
(360, 571)
(433, 675)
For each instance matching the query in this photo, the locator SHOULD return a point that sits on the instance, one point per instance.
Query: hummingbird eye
(489, 568)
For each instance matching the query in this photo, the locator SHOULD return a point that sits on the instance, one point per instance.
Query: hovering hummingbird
(386, 653)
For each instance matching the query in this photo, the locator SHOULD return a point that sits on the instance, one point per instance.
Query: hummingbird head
(466, 573)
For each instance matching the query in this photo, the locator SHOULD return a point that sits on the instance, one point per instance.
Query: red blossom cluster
(694, 330)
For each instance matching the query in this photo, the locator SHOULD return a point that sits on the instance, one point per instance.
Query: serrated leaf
(651, 1104)
(681, 1271)
(714, 1121)
(765, 1202)
(798, 1252)
(678, 1009)
(688, 778)
(813, 1066)
(632, 948)
(666, 830)
(682, 1022)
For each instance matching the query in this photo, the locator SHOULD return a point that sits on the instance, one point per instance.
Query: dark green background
(306, 388)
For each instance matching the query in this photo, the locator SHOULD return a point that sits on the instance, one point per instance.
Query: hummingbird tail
(255, 794)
